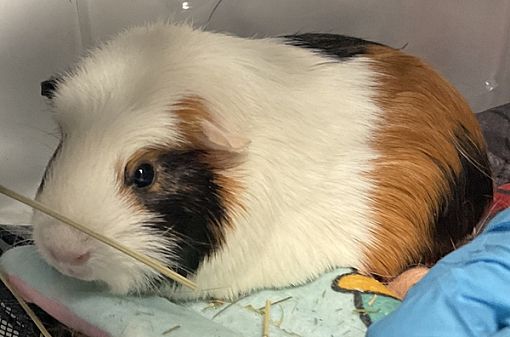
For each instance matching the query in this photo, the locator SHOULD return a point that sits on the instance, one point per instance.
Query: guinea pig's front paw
(121, 286)
(124, 281)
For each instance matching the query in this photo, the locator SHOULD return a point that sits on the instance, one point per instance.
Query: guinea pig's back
(361, 156)
(432, 178)
(427, 175)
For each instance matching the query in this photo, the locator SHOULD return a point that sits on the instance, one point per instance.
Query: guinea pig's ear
(49, 87)
(202, 130)
(214, 137)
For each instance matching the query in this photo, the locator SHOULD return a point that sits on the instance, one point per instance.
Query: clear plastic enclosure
(466, 40)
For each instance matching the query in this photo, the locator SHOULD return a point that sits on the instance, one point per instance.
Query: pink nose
(72, 258)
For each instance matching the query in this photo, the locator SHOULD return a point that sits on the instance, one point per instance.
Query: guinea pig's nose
(72, 258)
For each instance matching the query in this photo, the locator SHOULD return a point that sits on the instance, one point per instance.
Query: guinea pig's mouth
(82, 273)
(79, 272)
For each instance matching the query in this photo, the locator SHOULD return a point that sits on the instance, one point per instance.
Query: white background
(467, 40)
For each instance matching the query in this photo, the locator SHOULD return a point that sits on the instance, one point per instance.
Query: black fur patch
(189, 203)
(471, 194)
(49, 87)
(339, 46)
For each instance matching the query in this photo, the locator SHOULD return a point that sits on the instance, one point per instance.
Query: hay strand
(25, 307)
(167, 332)
(267, 319)
(277, 302)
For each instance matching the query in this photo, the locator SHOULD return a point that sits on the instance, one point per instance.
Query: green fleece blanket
(340, 303)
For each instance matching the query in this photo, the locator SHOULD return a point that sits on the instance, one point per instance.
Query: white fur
(309, 120)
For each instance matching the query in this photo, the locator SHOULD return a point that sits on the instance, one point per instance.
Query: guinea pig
(246, 163)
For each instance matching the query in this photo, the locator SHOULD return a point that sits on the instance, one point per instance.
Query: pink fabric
(55, 309)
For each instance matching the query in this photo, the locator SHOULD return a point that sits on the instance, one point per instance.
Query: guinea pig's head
(142, 159)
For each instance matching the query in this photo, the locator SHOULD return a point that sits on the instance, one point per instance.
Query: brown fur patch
(228, 176)
(191, 111)
(419, 159)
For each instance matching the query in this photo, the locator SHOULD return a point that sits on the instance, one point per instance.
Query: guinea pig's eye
(143, 176)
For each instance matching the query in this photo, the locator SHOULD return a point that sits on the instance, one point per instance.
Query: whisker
(189, 240)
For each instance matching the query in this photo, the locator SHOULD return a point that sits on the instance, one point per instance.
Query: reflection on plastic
(200, 12)
(490, 85)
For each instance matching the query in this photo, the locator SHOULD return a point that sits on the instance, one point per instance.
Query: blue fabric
(467, 293)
